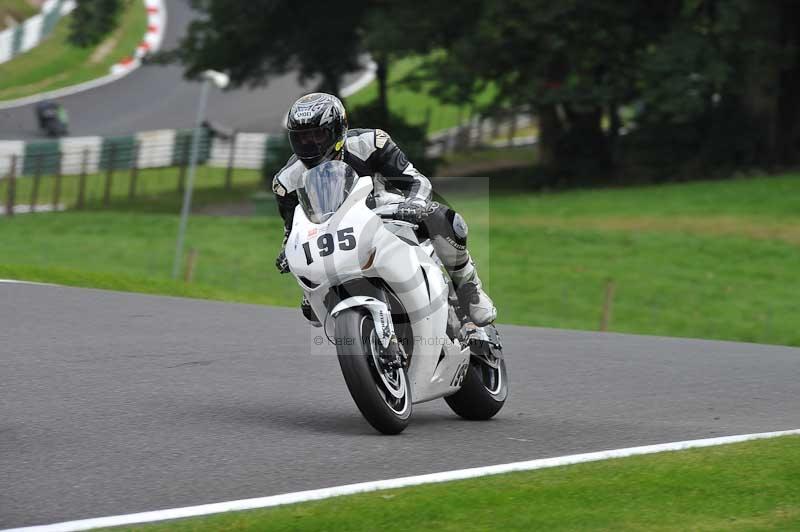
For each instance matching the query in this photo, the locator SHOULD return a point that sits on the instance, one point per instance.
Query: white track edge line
(17, 281)
(362, 81)
(363, 487)
(86, 85)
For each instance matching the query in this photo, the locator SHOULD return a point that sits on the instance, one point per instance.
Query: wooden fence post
(608, 305)
(37, 176)
(57, 183)
(134, 171)
(82, 179)
(231, 162)
(191, 260)
(112, 162)
(12, 186)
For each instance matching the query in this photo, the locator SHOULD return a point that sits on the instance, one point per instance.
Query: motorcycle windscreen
(325, 187)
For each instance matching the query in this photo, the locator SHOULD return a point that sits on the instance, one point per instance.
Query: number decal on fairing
(346, 239)
(326, 246)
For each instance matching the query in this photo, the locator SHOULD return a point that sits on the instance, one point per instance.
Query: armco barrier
(102, 157)
(148, 149)
(21, 38)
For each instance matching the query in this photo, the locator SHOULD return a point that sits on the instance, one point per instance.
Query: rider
(318, 132)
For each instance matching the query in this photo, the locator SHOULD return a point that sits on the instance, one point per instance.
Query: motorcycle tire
(374, 390)
(483, 392)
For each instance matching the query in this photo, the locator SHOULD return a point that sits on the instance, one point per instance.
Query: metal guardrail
(107, 156)
(496, 131)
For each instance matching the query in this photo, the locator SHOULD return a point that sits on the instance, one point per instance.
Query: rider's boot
(308, 312)
(470, 292)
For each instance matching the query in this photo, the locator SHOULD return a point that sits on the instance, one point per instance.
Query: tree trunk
(331, 82)
(614, 125)
(550, 131)
(787, 137)
(382, 77)
(585, 150)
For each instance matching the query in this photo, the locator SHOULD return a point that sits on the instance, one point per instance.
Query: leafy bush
(92, 20)
(717, 142)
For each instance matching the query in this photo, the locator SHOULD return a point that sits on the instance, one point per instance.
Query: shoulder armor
(289, 178)
(362, 143)
(381, 138)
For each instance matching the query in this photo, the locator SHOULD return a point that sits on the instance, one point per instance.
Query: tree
(712, 83)
(255, 40)
(572, 62)
(92, 20)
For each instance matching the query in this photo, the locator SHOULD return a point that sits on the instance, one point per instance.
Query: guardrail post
(134, 171)
(11, 190)
(82, 179)
(57, 182)
(37, 176)
(112, 161)
(512, 128)
(231, 162)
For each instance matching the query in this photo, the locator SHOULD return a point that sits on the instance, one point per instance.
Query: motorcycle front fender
(377, 308)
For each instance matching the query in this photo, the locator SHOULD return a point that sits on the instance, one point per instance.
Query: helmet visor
(311, 143)
(325, 187)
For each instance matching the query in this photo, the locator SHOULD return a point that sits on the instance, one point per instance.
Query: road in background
(115, 403)
(156, 97)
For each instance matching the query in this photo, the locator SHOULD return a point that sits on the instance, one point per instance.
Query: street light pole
(221, 81)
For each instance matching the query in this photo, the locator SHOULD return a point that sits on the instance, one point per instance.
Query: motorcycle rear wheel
(383, 396)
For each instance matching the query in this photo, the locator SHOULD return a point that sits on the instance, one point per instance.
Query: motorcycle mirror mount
(220, 79)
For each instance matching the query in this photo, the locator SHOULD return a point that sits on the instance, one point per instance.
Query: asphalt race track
(156, 97)
(115, 403)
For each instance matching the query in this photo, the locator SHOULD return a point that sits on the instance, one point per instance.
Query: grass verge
(417, 106)
(706, 260)
(18, 10)
(748, 486)
(56, 63)
(156, 189)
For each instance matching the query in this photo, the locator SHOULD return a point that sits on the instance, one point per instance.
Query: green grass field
(55, 63)
(708, 260)
(18, 10)
(416, 106)
(748, 486)
(155, 189)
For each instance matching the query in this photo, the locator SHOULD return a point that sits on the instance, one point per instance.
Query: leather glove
(281, 263)
(411, 212)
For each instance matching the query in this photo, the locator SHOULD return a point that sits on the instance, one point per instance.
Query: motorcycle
(53, 119)
(401, 334)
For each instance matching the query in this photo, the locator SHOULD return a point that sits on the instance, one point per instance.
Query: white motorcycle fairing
(356, 244)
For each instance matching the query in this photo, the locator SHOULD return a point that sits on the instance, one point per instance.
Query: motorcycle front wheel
(382, 394)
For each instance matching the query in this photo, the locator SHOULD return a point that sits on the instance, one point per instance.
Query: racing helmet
(317, 126)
